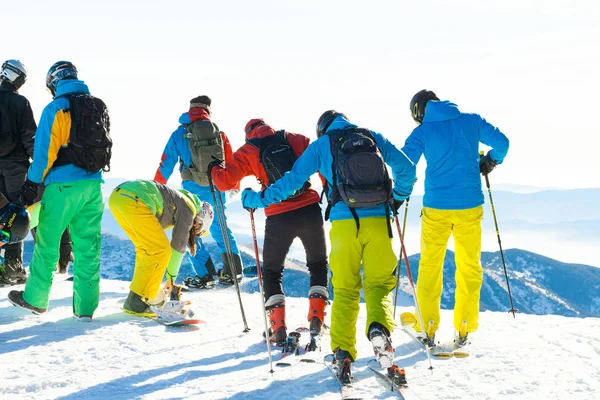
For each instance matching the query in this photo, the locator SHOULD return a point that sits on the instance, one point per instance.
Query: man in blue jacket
(72, 197)
(359, 236)
(452, 204)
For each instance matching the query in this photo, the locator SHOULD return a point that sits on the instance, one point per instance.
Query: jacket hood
(340, 123)
(6, 85)
(195, 114)
(192, 201)
(67, 86)
(440, 111)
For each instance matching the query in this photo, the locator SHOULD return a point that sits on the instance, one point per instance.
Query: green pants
(79, 206)
(372, 248)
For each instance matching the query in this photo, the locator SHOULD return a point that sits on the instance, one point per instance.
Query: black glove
(29, 192)
(215, 163)
(396, 205)
(175, 292)
(486, 164)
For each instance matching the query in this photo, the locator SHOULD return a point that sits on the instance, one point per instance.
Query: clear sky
(529, 67)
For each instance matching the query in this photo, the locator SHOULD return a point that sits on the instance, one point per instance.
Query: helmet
(14, 72)
(60, 70)
(418, 102)
(205, 218)
(326, 119)
(253, 123)
(14, 221)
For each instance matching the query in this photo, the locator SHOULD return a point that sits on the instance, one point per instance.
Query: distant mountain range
(539, 285)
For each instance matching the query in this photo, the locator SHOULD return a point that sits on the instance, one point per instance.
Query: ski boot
(137, 305)
(275, 309)
(205, 282)
(460, 337)
(15, 272)
(397, 375)
(343, 363)
(382, 346)
(317, 301)
(16, 299)
(225, 275)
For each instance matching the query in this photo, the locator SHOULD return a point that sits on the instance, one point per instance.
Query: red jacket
(245, 162)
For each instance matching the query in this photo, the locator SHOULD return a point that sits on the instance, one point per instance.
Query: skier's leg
(280, 232)
(312, 236)
(379, 263)
(86, 233)
(66, 252)
(435, 232)
(152, 247)
(345, 260)
(200, 259)
(469, 273)
(14, 177)
(60, 203)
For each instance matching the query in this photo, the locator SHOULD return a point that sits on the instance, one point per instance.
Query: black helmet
(325, 120)
(57, 72)
(418, 102)
(15, 223)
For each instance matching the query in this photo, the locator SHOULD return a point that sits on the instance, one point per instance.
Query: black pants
(12, 177)
(305, 223)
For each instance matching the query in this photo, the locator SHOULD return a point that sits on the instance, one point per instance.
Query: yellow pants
(465, 226)
(152, 247)
(372, 248)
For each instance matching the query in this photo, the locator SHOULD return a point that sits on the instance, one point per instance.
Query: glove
(396, 205)
(215, 163)
(175, 292)
(486, 164)
(252, 200)
(29, 192)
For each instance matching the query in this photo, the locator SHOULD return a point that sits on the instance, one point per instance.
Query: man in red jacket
(297, 217)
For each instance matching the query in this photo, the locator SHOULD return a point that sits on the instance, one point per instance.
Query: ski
(290, 348)
(312, 351)
(401, 390)
(347, 389)
(183, 322)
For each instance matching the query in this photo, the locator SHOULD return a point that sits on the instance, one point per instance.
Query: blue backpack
(360, 176)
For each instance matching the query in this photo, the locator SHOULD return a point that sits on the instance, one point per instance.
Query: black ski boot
(16, 299)
(343, 363)
(136, 305)
(14, 271)
(205, 282)
(225, 275)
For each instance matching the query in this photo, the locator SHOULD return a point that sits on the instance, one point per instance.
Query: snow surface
(118, 356)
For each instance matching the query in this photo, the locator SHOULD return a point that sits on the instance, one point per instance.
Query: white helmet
(14, 72)
(205, 218)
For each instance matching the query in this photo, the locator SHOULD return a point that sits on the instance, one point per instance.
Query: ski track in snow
(118, 356)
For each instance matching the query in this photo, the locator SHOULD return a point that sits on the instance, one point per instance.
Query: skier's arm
(27, 128)
(169, 158)
(184, 219)
(236, 168)
(50, 136)
(303, 169)
(491, 136)
(228, 152)
(403, 169)
(414, 147)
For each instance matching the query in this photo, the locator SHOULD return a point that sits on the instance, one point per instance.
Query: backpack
(90, 144)
(360, 176)
(206, 145)
(277, 158)
(7, 133)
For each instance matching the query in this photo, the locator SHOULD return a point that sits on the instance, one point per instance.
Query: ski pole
(512, 310)
(223, 225)
(412, 285)
(400, 258)
(262, 294)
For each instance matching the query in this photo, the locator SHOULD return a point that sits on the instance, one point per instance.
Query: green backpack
(206, 145)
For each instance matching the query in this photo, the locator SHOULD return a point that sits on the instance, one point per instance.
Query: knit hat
(201, 102)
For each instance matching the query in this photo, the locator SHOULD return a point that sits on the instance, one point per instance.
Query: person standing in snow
(144, 209)
(359, 235)
(71, 172)
(17, 129)
(268, 154)
(452, 205)
(194, 144)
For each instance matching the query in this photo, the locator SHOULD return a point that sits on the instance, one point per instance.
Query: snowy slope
(122, 357)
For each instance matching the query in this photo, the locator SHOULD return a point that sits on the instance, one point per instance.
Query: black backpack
(360, 176)
(90, 145)
(277, 158)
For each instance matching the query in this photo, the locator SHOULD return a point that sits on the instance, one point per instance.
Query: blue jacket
(450, 141)
(176, 151)
(318, 157)
(54, 132)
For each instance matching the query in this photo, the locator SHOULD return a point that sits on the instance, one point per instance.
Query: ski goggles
(4, 236)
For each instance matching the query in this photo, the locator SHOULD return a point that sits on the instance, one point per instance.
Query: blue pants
(202, 255)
